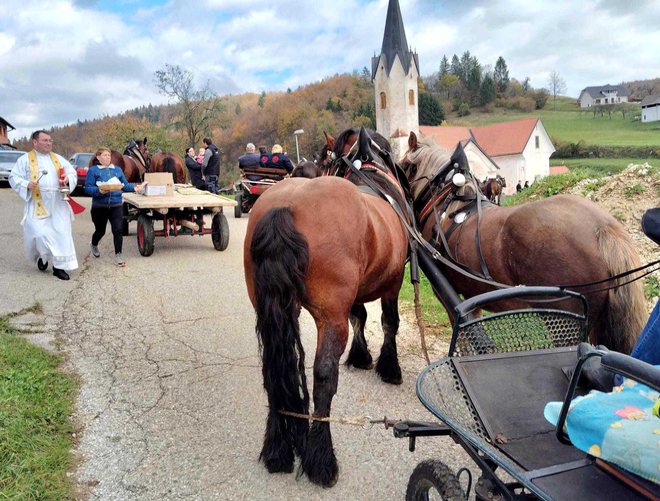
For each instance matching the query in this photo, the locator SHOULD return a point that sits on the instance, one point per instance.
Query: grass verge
(36, 400)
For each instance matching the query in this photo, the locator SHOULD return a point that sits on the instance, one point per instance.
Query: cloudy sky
(63, 60)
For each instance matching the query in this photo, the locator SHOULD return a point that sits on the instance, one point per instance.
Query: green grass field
(36, 402)
(571, 124)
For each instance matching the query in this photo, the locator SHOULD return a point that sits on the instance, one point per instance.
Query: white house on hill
(604, 94)
(520, 148)
(651, 108)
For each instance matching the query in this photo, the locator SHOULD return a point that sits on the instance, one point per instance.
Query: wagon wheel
(124, 220)
(145, 235)
(220, 231)
(433, 476)
(238, 210)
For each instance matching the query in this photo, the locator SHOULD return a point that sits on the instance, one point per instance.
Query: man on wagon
(37, 178)
(249, 163)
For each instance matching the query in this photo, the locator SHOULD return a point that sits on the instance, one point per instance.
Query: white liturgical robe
(50, 237)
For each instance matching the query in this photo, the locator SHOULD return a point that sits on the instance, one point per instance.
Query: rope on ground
(420, 323)
(366, 422)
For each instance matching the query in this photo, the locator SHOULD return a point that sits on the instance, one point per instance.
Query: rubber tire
(433, 475)
(145, 235)
(220, 231)
(238, 210)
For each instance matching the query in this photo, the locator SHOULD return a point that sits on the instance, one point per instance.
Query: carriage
(181, 214)
(253, 183)
(490, 393)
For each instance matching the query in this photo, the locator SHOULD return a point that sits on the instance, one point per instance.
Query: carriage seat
(264, 174)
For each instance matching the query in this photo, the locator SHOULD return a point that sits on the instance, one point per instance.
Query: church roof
(394, 42)
(505, 138)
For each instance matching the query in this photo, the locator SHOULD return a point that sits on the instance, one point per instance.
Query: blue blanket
(619, 427)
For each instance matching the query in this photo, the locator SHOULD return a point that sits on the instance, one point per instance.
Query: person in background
(251, 161)
(278, 159)
(37, 178)
(526, 185)
(211, 165)
(107, 205)
(518, 187)
(194, 169)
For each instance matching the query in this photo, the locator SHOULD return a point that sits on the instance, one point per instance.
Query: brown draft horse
(327, 246)
(306, 169)
(169, 162)
(493, 188)
(561, 240)
(127, 164)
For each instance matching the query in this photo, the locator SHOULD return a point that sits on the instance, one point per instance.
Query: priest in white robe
(37, 178)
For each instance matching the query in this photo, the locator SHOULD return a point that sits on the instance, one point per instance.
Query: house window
(537, 142)
(597, 101)
(383, 101)
(605, 100)
(411, 97)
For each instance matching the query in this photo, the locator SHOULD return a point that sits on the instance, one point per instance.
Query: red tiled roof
(558, 169)
(505, 138)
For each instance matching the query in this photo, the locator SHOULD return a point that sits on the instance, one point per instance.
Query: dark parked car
(80, 161)
(7, 161)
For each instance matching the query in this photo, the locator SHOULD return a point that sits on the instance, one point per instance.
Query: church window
(411, 97)
(383, 101)
(538, 142)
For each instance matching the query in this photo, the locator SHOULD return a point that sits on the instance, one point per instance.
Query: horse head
(435, 173)
(137, 149)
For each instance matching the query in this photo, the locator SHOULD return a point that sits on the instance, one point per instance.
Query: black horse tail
(280, 258)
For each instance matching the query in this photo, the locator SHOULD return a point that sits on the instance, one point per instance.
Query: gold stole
(40, 211)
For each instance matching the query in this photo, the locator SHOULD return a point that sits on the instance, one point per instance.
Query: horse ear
(412, 141)
(329, 140)
(364, 146)
(459, 157)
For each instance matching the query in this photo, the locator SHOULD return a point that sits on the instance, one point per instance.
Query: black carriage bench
(173, 210)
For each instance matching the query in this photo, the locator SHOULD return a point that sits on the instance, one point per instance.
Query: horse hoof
(389, 374)
(360, 360)
(392, 380)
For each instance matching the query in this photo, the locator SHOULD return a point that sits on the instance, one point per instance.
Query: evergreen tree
(487, 91)
(262, 99)
(430, 110)
(501, 75)
(455, 68)
(444, 67)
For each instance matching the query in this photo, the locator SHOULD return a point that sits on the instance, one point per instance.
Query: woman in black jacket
(196, 177)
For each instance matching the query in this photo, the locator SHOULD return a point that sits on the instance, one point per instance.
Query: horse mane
(430, 158)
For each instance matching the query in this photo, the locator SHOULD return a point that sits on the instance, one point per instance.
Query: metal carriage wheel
(220, 231)
(145, 235)
(436, 478)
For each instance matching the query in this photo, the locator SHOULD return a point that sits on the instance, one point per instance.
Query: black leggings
(100, 217)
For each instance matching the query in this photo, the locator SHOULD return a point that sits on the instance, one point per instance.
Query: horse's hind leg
(319, 461)
(359, 355)
(388, 363)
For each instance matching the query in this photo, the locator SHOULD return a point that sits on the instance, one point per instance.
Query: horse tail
(623, 318)
(280, 259)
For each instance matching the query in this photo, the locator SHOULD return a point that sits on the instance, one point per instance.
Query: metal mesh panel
(522, 330)
(441, 391)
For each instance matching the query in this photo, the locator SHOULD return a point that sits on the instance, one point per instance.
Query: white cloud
(66, 60)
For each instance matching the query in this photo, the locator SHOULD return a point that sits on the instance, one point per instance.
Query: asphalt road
(171, 404)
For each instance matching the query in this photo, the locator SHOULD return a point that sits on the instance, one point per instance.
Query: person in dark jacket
(211, 165)
(278, 159)
(195, 169)
(251, 162)
(107, 205)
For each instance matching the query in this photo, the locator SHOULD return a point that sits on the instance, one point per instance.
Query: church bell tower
(394, 73)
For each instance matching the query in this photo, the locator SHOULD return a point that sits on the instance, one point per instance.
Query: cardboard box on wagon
(159, 184)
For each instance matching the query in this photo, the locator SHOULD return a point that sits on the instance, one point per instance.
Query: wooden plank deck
(177, 201)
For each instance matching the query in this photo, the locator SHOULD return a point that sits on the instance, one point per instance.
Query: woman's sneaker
(119, 261)
(95, 250)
